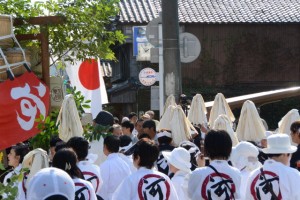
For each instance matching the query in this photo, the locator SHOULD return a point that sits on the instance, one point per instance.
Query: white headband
(164, 133)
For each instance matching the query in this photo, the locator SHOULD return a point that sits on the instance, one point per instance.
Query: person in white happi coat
(90, 171)
(244, 157)
(15, 159)
(219, 180)
(275, 180)
(146, 183)
(66, 159)
(114, 169)
(179, 164)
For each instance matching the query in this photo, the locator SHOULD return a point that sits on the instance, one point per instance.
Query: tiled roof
(215, 11)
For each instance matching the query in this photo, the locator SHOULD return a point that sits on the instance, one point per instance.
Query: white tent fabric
(286, 121)
(223, 123)
(69, 120)
(169, 101)
(250, 126)
(219, 107)
(197, 112)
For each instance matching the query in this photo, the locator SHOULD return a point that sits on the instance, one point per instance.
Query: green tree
(89, 27)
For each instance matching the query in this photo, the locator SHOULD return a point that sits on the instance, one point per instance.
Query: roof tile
(215, 11)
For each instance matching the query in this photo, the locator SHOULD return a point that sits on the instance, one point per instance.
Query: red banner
(21, 101)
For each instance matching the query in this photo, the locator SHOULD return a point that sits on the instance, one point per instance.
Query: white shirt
(204, 182)
(146, 184)
(113, 171)
(84, 189)
(283, 178)
(91, 173)
(179, 181)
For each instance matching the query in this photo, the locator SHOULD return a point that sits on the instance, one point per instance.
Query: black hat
(104, 118)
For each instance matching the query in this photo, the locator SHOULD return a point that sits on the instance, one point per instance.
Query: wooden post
(45, 54)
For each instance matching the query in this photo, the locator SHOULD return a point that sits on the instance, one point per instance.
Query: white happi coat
(15, 171)
(204, 183)
(146, 184)
(285, 182)
(179, 181)
(91, 173)
(84, 189)
(113, 171)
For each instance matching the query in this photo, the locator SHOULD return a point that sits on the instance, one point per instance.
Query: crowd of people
(139, 160)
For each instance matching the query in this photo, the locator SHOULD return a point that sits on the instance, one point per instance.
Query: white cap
(279, 143)
(164, 133)
(245, 155)
(51, 182)
(179, 158)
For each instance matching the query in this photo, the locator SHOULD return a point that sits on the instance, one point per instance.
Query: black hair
(149, 124)
(217, 144)
(112, 143)
(56, 197)
(125, 140)
(116, 120)
(147, 151)
(295, 126)
(132, 114)
(21, 150)
(144, 135)
(80, 146)
(54, 140)
(128, 124)
(60, 145)
(164, 140)
(66, 160)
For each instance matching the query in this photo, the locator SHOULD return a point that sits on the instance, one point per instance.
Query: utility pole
(171, 52)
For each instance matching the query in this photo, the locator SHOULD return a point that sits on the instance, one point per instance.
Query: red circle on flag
(88, 74)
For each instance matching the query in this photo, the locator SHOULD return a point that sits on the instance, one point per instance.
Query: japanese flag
(87, 78)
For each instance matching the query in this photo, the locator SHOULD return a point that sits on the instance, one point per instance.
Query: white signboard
(147, 76)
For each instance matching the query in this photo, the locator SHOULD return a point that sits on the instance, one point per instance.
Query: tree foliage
(88, 31)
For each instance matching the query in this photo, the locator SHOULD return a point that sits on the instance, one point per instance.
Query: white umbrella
(175, 120)
(223, 123)
(219, 107)
(164, 122)
(285, 123)
(69, 120)
(169, 101)
(250, 126)
(197, 112)
(180, 126)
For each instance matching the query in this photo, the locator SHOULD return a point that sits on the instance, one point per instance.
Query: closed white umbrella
(180, 126)
(285, 123)
(169, 101)
(223, 123)
(69, 120)
(175, 120)
(250, 126)
(198, 111)
(219, 107)
(164, 122)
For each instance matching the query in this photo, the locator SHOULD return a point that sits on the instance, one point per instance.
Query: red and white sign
(147, 76)
(87, 78)
(21, 101)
